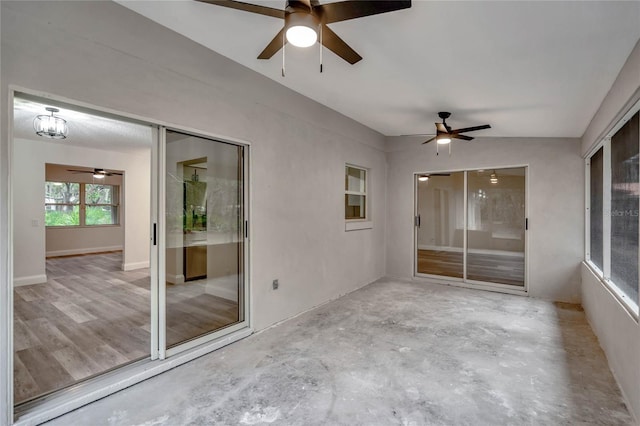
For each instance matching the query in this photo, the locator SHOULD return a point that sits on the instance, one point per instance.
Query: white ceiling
(87, 129)
(528, 68)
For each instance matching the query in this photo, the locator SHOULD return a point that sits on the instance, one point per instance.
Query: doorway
(129, 247)
(470, 226)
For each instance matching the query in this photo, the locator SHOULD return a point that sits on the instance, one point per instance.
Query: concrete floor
(390, 353)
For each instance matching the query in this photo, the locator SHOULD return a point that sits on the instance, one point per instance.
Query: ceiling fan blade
(471, 129)
(345, 10)
(432, 139)
(253, 8)
(335, 44)
(79, 171)
(441, 128)
(463, 137)
(275, 45)
(439, 174)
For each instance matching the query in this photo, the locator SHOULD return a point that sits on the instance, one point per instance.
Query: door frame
(464, 282)
(68, 399)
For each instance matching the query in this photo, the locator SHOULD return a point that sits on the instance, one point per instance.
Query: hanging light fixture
(494, 178)
(50, 126)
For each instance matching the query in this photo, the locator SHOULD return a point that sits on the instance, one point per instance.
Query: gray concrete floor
(390, 353)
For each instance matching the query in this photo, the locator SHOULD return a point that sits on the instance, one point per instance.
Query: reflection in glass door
(204, 224)
(496, 226)
(440, 224)
(470, 225)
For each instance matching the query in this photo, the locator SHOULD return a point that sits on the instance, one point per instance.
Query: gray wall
(617, 331)
(556, 200)
(105, 55)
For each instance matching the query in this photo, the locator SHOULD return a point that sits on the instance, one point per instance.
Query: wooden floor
(91, 317)
(494, 268)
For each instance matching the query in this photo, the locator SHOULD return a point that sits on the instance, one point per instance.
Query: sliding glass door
(204, 211)
(470, 226)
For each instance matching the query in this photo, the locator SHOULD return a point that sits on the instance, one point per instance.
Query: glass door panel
(440, 225)
(204, 215)
(496, 225)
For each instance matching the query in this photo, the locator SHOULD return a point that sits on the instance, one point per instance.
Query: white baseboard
(33, 279)
(86, 250)
(472, 251)
(175, 279)
(132, 266)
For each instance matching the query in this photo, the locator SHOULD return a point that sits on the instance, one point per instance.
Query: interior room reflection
(495, 225)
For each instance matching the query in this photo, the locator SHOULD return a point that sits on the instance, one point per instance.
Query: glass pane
(496, 225)
(624, 208)
(440, 234)
(204, 217)
(355, 180)
(61, 193)
(59, 215)
(355, 206)
(101, 215)
(99, 194)
(595, 208)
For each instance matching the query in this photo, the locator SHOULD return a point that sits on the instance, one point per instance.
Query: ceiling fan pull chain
(284, 48)
(437, 148)
(320, 48)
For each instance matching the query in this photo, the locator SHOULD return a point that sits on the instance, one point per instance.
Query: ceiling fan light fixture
(443, 140)
(301, 29)
(423, 178)
(50, 126)
(99, 175)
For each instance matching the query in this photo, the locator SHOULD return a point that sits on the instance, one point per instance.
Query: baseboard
(33, 279)
(132, 266)
(472, 251)
(175, 279)
(72, 252)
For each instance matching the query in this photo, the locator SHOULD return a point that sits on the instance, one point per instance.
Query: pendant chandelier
(50, 126)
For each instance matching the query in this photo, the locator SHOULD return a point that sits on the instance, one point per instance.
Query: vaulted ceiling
(530, 68)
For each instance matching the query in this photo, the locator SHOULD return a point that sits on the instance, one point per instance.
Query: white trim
(465, 218)
(132, 266)
(477, 285)
(358, 225)
(29, 280)
(92, 390)
(88, 250)
(175, 279)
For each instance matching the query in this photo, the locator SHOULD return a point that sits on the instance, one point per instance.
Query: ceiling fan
(97, 173)
(444, 132)
(306, 20)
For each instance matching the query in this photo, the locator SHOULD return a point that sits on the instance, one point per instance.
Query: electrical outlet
(276, 284)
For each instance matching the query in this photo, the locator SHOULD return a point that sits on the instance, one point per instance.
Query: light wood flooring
(91, 317)
(494, 268)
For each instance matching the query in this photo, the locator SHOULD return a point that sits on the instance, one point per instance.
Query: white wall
(618, 332)
(29, 159)
(106, 55)
(555, 212)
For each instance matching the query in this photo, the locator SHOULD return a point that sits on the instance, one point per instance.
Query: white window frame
(356, 224)
(82, 205)
(605, 275)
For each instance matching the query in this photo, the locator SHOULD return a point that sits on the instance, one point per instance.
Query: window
(614, 205)
(81, 204)
(62, 203)
(355, 195)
